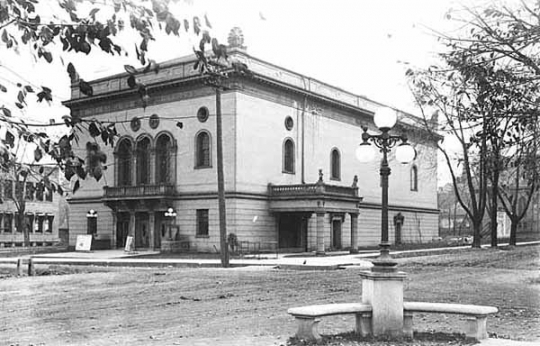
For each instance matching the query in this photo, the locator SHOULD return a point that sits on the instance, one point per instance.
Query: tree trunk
(513, 231)
(21, 226)
(493, 211)
(477, 233)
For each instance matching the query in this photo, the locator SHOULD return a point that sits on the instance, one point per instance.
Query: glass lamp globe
(405, 153)
(385, 118)
(365, 152)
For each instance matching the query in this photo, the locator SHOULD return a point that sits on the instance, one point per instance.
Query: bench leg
(363, 324)
(477, 328)
(408, 324)
(307, 329)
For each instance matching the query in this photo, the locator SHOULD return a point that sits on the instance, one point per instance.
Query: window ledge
(202, 236)
(202, 167)
(287, 172)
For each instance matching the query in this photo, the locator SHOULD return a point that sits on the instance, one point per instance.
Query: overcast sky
(361, 46)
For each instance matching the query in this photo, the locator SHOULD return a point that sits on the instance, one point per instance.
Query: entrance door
(336, 234)
(292, 232)
(122, 229)
(142, 231)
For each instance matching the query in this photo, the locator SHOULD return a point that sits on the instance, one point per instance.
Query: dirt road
(127, 306)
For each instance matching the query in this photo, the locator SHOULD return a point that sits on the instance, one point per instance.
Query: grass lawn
(247, 306)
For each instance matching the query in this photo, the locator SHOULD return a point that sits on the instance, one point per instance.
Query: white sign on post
(84, 243)
(130, 246)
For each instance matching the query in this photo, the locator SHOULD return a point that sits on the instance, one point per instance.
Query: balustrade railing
(142, 191)
(312, 189)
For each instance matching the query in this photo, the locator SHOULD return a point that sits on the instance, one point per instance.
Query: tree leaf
(6, 111)
(28, 88)
(72, 72)
(38, 155)
(132, 82)
(76, 186)
(86, 88)
(207, 21)
(130, 69)
(93, 130)
(3, 88)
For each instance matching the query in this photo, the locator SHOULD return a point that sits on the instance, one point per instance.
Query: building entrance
(336, 234)
(122, 229)
(293, 231)
(142, 230)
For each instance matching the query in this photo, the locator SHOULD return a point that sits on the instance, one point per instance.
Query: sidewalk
(307, 261)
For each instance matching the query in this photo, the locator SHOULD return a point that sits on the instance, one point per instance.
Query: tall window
(335, 165)
(8, 189)
(143, 161)
(164, 159)
(125, 157)
(48, 195)
(40, 188)
(7, 223)
(202, 222)
(91, 225)
(414, 178)
(203, 150)
(49, 224)
(288, 156)
(29, 193)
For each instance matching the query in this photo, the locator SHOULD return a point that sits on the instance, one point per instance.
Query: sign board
(84, 243)
(130, 246)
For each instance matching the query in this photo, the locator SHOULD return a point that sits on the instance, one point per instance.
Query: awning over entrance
(295, 204)
(314, 197)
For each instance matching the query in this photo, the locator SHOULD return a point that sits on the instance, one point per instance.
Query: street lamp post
(170, 214)
(385, 119)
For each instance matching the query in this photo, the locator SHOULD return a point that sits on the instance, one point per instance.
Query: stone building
(41, 212)
(291, 176)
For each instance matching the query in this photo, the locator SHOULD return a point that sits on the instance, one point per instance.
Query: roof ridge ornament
(236, 38)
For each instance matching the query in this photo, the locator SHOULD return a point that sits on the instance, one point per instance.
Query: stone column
(384, 292)
(153, 168)
(320, 233)
(354, 233)
(152, 226)
(132, 224)
(114, 245)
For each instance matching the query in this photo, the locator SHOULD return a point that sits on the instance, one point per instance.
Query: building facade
(291, 176)
(41, 212)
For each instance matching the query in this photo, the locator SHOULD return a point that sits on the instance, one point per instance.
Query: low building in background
(41, 214)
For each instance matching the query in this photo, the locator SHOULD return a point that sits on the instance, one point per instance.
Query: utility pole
(224, 251)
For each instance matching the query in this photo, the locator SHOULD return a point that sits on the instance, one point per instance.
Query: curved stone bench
(307, 318)
(476, 324)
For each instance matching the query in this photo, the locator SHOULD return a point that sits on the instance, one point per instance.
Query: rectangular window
(39, 223)
(17, 229)
(39, 191)
(49, 224)
(29, 223)
(29, 194)
(91, 225)
(7, 223)
(48, 195)
(8, 189)
(202, 222)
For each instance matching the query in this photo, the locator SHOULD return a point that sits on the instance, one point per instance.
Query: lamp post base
(384, 263)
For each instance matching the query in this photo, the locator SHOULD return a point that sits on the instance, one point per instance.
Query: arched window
(164, 159)
(335, 165)
(288, 156)
(143, 161)
(202, 150)
(125, 158)
(414, 178)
